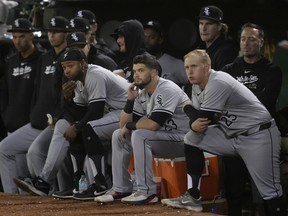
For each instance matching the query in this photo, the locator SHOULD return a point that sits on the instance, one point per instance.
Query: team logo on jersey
(247, 79)
(228, 118)
(159, 100)
(170, 125)
(22, 71)
(50, 69)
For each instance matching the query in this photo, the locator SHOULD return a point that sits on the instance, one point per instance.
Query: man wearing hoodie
(130, 38)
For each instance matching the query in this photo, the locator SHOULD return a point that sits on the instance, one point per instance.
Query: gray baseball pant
(144, 144)
(47, 166)
(14, 147)
(260, 151)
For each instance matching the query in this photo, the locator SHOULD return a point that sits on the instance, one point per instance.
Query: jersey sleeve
(165, 100)
(96, 87)
(79, 98)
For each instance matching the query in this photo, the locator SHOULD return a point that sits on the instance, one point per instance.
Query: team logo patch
(74, 37)
(80, 14)
(207, 11)
(72, 24)
(16, 23)
(53, 22)
(159, 100)
(65, 55)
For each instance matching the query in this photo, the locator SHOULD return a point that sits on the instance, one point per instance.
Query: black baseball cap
(87, 14)
(21, 25)
(73, 54)
(76, 39)
(118, 31)
(79, 24)
(211, 13)
(155, 26)
(58, 23)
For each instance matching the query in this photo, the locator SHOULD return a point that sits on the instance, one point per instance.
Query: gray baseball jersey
(173, 69)
(102, 85)
(167, 98)
(245, 129)
(239, 107)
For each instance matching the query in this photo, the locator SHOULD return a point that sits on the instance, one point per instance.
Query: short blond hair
(202, 54)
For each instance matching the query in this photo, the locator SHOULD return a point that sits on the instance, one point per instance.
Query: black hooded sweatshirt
(133, 33)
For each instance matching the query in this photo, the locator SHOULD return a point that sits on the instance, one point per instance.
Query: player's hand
(132, 92)
(124, 134)
(68, 89)
(70, 133)
(200, 125)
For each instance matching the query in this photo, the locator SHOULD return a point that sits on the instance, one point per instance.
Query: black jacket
(17, 89)
(221, 52)
(263, 78)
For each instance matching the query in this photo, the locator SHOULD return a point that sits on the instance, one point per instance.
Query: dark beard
(78, 76)
(155, 50)
(142, 86)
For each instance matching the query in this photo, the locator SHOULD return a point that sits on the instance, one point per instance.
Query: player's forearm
(147, 124)
(126, 114)
(124, 118)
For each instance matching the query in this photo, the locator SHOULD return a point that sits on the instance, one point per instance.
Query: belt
(258, 128)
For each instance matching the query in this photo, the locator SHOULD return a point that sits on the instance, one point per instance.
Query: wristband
(131, 125)
(129, 106)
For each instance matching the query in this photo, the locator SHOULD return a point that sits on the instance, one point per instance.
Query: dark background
(179, 20)
(178, 17)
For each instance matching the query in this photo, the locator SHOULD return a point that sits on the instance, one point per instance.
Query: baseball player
(96, 91)
(20, 74)
(79, 24)
(172, 67)
(129, 36)
(152, 123)
(94, 40)
(107, 100)
(228, 119)
(35, 133)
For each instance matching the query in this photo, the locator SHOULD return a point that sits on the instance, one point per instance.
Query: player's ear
(261, 42)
